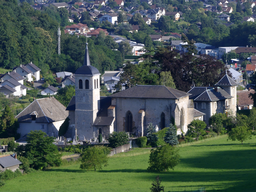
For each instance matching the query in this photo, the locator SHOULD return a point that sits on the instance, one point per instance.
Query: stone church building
(130, 110)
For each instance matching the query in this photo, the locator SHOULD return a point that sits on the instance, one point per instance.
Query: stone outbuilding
(9, 162)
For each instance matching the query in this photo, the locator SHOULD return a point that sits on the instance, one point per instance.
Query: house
(96, 32)
(99, 3)
(46, 114)
(244, 101)
(110, 79)
(149, 2)
(248, 19)
(174, 15)
(224, 50)
(166, 39)
(227, 9)
(250, 69)
(253, 59)
(224, 17)
(49, 91)
(12, 75)
(9, 162)
(240, 50)
(110, 17)
(156, 37)
(130, 110)
(147, 20)
(20, 90)
(222, 98)
(63, 74)
(68, 80)
(60, 5)
(135, 28)
(155, 14)
(35, 70)
(7, 90)
(137, 48)
(119, 2)
(78, 28)
(25, 72)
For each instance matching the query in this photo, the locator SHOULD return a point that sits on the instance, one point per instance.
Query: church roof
(198, 113)
(103, 121)
(151, 92)
(226, 81)
(87, 69)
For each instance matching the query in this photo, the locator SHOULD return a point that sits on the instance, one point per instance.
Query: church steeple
(86, 56)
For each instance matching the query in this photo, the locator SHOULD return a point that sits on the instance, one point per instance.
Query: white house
(223, 50)
(49, 91)
(20, 90)
(25, 72)
(155, 14)
(110, 17)
(69, 80)
(110, 79)
(12, 75)
(35, 70)
(7, 90)
(46, 114)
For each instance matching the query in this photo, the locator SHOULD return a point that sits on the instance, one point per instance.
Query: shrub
(156, 185)
(117, 139)
(141, 141)
(2, 183)
(171, 135)
(7, 175)
(17, 173)
(12, 145)
(160, 137)
(163, 158)
(25, 164)
(240, 133)
(94, 158)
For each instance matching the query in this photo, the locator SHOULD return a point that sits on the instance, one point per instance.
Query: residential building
(35, 71)
(9, 162)
(110, 17)
(25, 72)
(49, 91)
(244, 100)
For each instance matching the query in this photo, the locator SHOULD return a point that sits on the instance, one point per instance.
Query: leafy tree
(163, 158)
(156, 185)
(8, 123)
(65, 94)
(252, 119)
(120, 18)
(125, 48)
(152, 138)
(12, 145)
(196, 129)
(240, 133)
(40, 150)
(238, 7)
(236, 18)
(166, 79)
(117, 139)
(171, 135)
(137, 20)
(94, 158)
(216, 122)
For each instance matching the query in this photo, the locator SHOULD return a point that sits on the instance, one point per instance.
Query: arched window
(162, 124)
(86, 84)
(80, 84)
(128, 122)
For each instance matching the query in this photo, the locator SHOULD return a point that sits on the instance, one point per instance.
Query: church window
(97, 83)
(128, 122)
(86, 84)
(94, 83)
(80, 84)
(162, 124)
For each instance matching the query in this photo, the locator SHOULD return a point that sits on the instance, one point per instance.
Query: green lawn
(215, 164)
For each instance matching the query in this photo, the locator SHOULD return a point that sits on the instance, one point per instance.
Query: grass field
(215, 164)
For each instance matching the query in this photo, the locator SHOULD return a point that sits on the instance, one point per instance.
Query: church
(133, 109)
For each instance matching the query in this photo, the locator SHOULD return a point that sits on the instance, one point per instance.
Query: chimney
(15, 156)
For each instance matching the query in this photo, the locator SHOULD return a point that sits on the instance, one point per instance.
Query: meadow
(214, 164)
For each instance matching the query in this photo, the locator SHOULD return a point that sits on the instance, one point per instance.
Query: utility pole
(59, 34)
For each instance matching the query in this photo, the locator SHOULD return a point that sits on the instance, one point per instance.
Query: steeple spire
(86, 56)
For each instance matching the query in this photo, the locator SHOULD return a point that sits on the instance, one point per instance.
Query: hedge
(141, 141)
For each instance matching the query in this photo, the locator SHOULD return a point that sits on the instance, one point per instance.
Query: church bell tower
(87, 87)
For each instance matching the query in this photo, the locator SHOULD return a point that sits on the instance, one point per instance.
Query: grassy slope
(215, 164)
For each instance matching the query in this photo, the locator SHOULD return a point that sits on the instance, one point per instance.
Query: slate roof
(198, 113)
(9, 161)
(33, 66)
(105, 102)
(13, 82)
(208, 94)
(14, 75)
(72, 104)
(8, 88)
(226, 81)
(103, 121)
(24, 68)
(54, 89)
(151, 92)
(48, 109)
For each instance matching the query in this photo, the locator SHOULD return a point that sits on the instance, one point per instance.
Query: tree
(163, 158)
(40, 150)
(120, 18)
(171, 135)
(94, 158)
(125, 48)
(196, 129)
(12, 145)
(240, 133)
(156, 185)
(252, 119)
(166, 79)
(151, 136)
(216, 122)
(117, 139)
(8, 123)
(65, 94)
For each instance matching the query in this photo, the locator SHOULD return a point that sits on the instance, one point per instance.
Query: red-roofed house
(244, 101)
(120, 2)
(250, 68)
(78, 28)
(96, 32)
